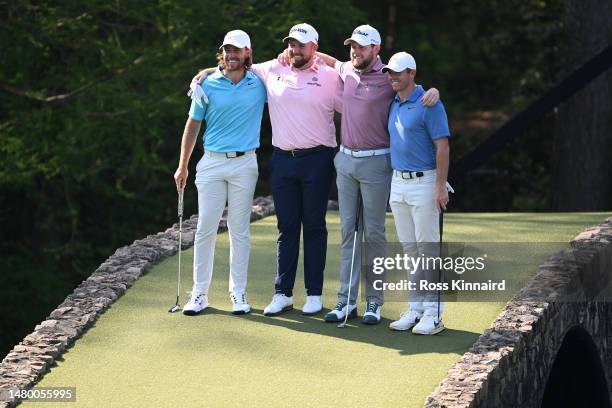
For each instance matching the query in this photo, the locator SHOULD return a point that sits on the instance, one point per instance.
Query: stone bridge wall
(510, 364)
(33, 356)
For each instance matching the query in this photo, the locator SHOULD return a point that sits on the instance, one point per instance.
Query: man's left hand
(441, 197)
(431, 97)
(284, 58)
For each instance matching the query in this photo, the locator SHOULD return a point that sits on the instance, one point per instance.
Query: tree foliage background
(93, 104)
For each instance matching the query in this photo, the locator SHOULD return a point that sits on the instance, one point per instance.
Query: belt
(227, 155)
(302, 152)
(364, 153)
(407, 175)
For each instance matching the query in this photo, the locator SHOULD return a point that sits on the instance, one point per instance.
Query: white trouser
(416, 222)
(220, 180)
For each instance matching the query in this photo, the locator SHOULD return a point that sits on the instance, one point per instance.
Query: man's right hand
(180, 178)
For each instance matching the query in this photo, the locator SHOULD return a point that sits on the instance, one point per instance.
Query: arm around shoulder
(328, 59)
(201, 76)
(431, 97)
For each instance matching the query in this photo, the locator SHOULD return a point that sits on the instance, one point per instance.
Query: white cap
(237, 38)
(399, 62)
(304, 33)
(364, 35)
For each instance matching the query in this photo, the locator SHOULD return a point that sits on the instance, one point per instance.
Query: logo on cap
(364, 35)
(303, 33)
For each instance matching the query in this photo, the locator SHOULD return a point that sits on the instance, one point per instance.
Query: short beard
(298, 64)
(363, 65)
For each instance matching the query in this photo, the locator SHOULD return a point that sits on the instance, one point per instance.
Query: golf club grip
(180, 203)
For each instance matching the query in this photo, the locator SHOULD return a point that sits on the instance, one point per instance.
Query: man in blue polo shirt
(419, 157)
(228, 170)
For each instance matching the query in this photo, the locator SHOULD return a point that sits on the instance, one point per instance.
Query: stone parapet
(510, 364)
(32, 357)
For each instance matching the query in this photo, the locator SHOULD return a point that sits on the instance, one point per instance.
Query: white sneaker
(339, 312)
(197, 303)
(427, 324)
(239, 304)
(407, 320)
(280, 303)
(313, 305)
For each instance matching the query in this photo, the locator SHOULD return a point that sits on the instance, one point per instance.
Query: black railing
(526, 118)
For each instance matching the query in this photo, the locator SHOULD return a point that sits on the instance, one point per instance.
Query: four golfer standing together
(303, 88)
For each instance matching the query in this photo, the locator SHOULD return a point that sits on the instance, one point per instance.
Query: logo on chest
(314, 81)
(367, 85)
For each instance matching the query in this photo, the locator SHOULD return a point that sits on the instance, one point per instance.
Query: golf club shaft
(180, 245)
(357, 217)
(348, 299)
(449, 188)
(441, 228)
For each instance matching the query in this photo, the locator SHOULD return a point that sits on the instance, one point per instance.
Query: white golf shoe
(428, 325)
(406, 321)
(197, 303)
(280, 303)
(313, 305)
(339, 312)
(240, 305)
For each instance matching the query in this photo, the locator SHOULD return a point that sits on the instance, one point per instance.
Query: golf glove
(196, 92)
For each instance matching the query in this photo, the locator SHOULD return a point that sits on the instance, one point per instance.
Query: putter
(441, 225)
(450, 189)
(176, 307)
(348, 298)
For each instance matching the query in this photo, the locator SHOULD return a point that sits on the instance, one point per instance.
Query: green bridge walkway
(139, 355)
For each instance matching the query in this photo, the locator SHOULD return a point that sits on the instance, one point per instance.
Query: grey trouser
(372, 177)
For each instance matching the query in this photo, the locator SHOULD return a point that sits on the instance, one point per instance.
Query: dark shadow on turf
(406, 343)
(210, 311)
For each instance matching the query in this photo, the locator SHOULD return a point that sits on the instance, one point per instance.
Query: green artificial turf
(139, 355)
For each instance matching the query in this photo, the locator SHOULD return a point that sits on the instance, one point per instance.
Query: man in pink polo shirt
(363, 165)
(302, 98)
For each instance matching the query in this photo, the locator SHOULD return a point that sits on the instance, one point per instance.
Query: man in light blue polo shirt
(419, 157)
(228, 170)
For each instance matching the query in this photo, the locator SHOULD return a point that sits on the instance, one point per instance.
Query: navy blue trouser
(300, 187)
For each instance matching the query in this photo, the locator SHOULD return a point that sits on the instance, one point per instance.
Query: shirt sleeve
(196, 111)
(341, 68)
(338, 94)
(262, 69)
(436, 122)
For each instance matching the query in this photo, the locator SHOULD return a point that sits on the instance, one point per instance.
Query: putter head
(174, 308)
(343, 324)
